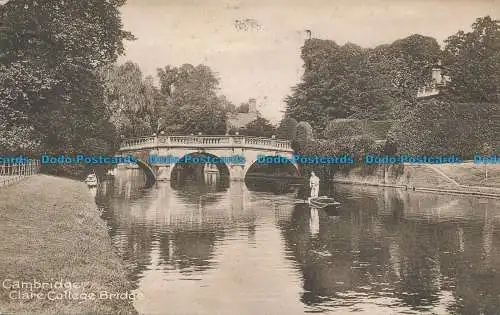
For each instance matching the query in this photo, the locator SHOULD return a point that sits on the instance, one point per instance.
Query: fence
(11, 173)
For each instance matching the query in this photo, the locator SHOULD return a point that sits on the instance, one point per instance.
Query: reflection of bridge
(216, 146)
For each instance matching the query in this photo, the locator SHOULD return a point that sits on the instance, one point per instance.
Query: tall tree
(352, 82)
(287, 128)
(446, 127)
(473, 60)
(50, 52)
(132, 100)
(192, 99)
(260, 127)
(226, 104)
(304, 135)
(243, 108)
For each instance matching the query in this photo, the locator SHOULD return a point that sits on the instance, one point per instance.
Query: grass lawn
(50, 231)
(472, 174)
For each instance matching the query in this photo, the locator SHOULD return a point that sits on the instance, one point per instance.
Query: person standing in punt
(314, 185)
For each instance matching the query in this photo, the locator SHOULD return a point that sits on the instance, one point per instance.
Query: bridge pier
(236, 172)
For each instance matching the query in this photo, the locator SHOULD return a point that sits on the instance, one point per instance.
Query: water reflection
(314, 221)
(209, 249)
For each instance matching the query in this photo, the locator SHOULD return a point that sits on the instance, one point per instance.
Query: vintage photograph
(248, 157)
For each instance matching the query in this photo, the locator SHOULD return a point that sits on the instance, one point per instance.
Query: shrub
(340, 128)
(287, 129)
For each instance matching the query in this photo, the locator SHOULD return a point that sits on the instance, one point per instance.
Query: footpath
(56, 256)
(463, 178)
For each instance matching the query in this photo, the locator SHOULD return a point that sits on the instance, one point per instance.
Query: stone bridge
(214, 146)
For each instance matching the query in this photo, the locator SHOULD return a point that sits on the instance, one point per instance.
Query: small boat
(91, 180)
(323, 202)
(111, 173)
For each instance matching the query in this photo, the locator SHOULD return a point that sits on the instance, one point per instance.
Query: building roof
(241, 119)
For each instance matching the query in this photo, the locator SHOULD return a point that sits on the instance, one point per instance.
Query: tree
(441, 127)
(319, 88)
(473, 60)
(287, 128)
(344, 128)
(191, 97)
(464, 119)
(49, 55)
(133, 101)
(304, 134)
(260, 127)
(227, 105)
(352, 82)
(243, 108)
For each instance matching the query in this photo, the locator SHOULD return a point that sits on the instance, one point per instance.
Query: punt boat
(91, 180)
(323, 202)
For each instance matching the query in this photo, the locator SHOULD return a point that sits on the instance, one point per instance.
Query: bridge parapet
(137, 143)
(206, 142)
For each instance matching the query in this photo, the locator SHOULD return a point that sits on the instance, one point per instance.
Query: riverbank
(51, 236)
(463, 178)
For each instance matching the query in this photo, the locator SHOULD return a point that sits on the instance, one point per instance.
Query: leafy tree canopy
(243, 108)
(287, 129)
(260, 127)
(438, 126)
(192, 100)
(50, 52)
(353, 82)
(133, 102)
(473, 62)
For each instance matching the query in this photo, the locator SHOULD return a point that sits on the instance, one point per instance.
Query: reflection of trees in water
(166, 220)
(406, 244)
(128, 183)
(414, 254)
(194, 192)
(420, 271)
(274, 169)
(136, 250)
(277, 178)
(132, 239)
(270, 184)
(320, 277)
(477, 276)
(188, 250)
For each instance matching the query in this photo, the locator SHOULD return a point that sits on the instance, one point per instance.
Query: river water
(198, 248)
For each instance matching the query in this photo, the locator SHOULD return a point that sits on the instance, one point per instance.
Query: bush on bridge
(287, 129)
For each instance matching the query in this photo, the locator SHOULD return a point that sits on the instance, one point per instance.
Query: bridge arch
(148, 170)
(223, 168)
(281, 161)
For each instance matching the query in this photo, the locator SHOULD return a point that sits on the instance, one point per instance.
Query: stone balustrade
(206, 142)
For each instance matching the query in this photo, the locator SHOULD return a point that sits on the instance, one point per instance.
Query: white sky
(266, 63)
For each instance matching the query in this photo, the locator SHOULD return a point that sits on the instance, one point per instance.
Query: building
(437, 83)
(240, 120)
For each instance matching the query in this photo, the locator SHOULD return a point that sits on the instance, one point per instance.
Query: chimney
(252, 105)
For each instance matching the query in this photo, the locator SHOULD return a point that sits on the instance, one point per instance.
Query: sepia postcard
(243, 157)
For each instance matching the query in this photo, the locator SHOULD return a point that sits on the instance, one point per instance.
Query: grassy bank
(473, 174)
(50, 232)
(467, 178)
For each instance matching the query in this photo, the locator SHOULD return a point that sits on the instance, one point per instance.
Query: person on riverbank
(314, 185)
